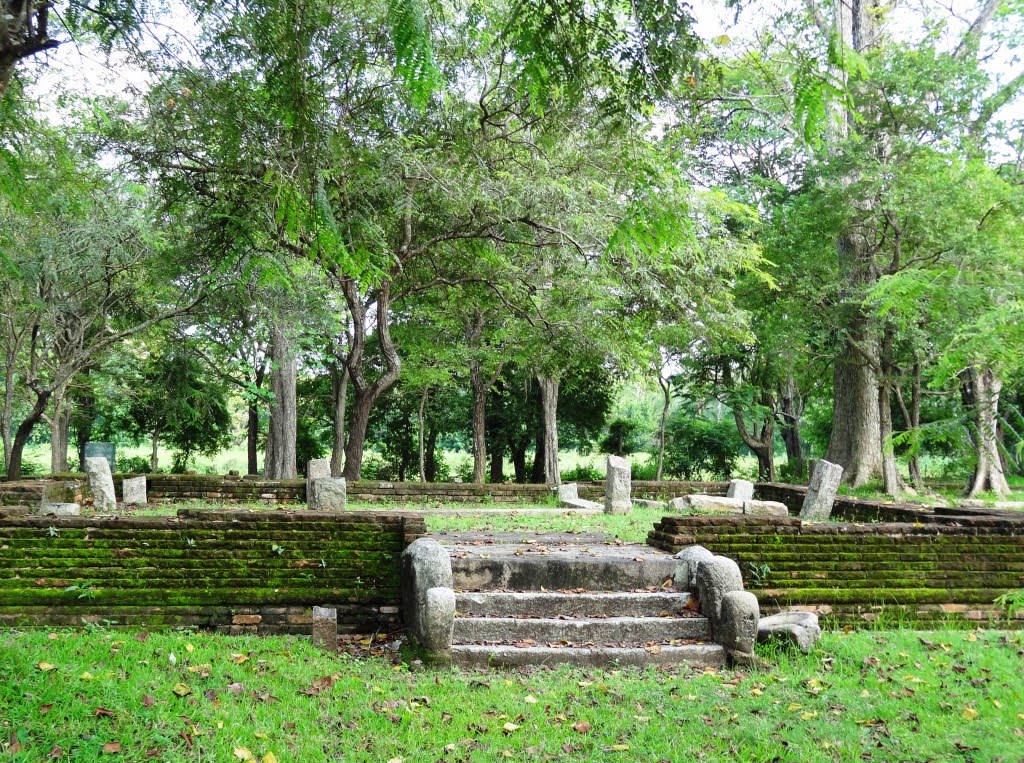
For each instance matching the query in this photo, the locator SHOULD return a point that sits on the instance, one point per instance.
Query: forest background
(387, 231)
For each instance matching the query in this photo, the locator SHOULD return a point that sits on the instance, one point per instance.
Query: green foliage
(624, 438)
(181, 403)
(582, 473)
(697, 447)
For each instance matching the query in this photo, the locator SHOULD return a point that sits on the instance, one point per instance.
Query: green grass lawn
(885, 696)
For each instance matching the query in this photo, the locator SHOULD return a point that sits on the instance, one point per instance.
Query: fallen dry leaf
(112, 748)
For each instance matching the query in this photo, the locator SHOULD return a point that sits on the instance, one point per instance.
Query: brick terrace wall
(231, 571)
(164, 488)
(845, 507)
(856, 573)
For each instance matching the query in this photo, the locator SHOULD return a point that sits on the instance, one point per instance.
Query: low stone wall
(162, 488)
(845, 507)
(947, 571)
(231, 571)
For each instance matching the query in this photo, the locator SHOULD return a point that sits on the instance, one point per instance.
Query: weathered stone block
(328, 494)
(101, 483)
(618, 483)
(798, 628)
(59, 491)
(686, 570)
(568, 491)
(133, 491)
(60, 509)
(246, 619)
(317, 468)
(741, 489)
(325, 628)
(736, 628)
(715, 578)
(437, 622)
(710, 503)
(821, 492)
(765, 509)
(426, 565)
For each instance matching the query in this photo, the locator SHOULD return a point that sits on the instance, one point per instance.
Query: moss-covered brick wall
(950, 570)
(233, 571)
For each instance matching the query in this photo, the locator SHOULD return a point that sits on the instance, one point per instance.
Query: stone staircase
(552, 601)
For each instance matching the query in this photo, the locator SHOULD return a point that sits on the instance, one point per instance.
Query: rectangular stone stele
(316, 469)
(821, 492)
(325, 628)
(102, 450)
(568, 492)
(133, 491)
(329, 494)
(742, 489)
(618, 484)
(101, 483)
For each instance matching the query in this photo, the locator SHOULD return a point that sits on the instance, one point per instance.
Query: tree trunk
(83, 430)
(252, 428)
(979, 389)
(915, 422)
(519, 461)
(892, 482)
(280, 459)
(479, 422)
(856, 430)
(339, 402)
(762, 443)
(24, 431)
(537, 472)
(7, 412)
(420, 435)
(549, 405)
(497, 460)
(666, 402)
(252, 439)
(364, 392)
(430, 469)
(154, 455)
(60, 432)
(791, 407)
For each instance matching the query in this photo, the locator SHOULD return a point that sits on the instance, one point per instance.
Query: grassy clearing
(863, 696)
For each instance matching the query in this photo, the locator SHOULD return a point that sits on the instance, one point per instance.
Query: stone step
(699, 655)
(553, 604)
(552, 573)
(584, 630)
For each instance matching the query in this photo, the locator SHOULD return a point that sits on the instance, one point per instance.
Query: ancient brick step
(551, 573)
(701, 655)
(554, 604)
(621, 630)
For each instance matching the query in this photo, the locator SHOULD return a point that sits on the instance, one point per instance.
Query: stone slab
(105, 450)
(821, 491)
(328, 494)
(742, 489)
(317, 468)
(618, 484)
(101, 483)
(133, 491)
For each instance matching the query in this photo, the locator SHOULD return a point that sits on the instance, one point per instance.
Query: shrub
(582, 473)
(696, 446)
(133, 465)
(624, 437)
